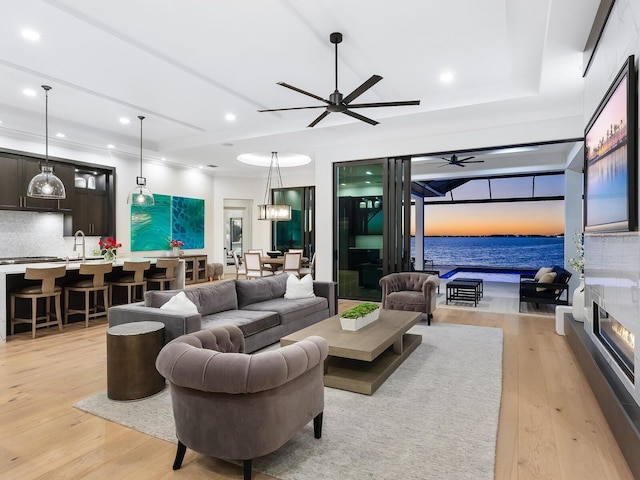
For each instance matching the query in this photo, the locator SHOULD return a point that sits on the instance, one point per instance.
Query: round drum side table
(132, 349)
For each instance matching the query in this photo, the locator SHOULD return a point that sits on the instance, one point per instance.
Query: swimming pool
(507, 275)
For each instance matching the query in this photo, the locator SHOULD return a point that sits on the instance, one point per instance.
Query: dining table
(276, 263)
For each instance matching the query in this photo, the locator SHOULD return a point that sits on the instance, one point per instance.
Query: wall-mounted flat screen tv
(610, 151)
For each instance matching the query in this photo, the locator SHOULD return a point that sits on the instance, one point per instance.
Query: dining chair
(90, 284)
(240, 270)
(256, 250)
(311, 269)
(292, 263)
(296, 250)
(47, 289)
(253, 265)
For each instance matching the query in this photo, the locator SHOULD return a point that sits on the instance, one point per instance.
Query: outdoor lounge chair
(549, 286)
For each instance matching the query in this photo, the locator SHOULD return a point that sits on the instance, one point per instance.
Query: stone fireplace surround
(612, 279)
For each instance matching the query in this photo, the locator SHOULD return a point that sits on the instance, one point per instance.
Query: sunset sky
(514, 218)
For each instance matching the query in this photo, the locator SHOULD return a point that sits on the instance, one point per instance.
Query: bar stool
(131, 282)
(90, 287)
(47, 290)
(166, 277)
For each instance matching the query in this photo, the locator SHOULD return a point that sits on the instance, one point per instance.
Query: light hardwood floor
(550, 424)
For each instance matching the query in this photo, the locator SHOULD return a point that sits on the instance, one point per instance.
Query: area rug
(435, 417)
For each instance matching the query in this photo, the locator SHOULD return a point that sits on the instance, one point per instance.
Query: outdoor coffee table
(458, 290)
(361, 361)
(478, 281)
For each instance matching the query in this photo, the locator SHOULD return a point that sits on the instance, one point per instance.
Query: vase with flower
(577, 303)
(108, 248)
(175, 245)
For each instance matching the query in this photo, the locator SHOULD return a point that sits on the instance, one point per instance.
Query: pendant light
(45, 184)
(269, 211)
(140, 195)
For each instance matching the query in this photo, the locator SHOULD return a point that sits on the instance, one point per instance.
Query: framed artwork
(171, 218)
(610, 178)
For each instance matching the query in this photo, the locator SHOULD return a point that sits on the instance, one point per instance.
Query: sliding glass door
(371, 199)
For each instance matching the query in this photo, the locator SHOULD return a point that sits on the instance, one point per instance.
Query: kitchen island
(12, 276)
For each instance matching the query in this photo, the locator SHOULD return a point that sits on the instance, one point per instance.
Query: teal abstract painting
(187, 221)
(151, 226)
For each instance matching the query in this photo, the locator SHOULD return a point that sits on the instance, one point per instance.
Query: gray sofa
(257, 307)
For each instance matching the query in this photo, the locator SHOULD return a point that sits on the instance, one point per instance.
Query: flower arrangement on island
(108, 248)
(176, 243)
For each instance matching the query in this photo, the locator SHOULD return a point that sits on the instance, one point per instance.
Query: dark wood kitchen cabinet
(18, 171)
(89, 212)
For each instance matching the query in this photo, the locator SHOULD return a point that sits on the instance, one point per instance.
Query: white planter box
(354, 324)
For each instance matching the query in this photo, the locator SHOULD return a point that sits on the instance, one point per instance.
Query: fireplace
(616, 339)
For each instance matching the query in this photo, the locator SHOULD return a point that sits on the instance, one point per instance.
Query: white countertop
(72, 265)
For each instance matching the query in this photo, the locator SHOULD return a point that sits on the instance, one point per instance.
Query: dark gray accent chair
(410, 291)
(237, 406)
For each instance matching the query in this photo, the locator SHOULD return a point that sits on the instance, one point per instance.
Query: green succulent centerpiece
(359, 316)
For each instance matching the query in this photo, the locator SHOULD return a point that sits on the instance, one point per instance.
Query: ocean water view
(528, 253)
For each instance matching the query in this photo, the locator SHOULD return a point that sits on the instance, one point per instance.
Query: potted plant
(359, 316)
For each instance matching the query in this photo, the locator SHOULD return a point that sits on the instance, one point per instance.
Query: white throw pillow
(180, 303)
(541, 272)
(546, 278)
(299, 288)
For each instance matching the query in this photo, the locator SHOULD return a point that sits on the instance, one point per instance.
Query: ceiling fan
(454, 160)
(337, 103)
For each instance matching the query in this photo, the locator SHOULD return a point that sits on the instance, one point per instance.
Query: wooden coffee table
(361, 361)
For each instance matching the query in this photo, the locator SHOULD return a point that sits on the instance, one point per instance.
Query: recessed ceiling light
(31, 35)
(446, 77)
(163, 158)
(60, 135)
(230, 117)
(285, 159)
(29, 92)
(367, 181)
(111, 145)
(125, 120)
(369, 173)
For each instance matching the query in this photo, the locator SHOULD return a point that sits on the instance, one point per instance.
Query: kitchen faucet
(75, 244)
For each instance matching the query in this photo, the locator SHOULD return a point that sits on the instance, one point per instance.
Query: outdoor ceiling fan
(337, 103)
(454, 160)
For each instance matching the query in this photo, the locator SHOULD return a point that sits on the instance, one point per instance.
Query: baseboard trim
(618, 406)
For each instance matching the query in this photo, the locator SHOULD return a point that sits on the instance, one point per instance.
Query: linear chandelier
(272, 211)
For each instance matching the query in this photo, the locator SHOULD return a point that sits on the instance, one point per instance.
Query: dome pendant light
(140, 195)
(45, 184)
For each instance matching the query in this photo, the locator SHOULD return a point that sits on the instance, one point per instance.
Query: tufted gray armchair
(231, 405)
(410, 291)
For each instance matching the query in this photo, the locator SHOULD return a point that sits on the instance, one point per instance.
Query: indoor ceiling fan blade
(385, 104)
(465, 159)
(292, 108)
(320, 117)
(475, 161)
(360, 117)
(362, 88)
(303, 92)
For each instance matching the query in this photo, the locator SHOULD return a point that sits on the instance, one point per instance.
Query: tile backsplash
(33, 234)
